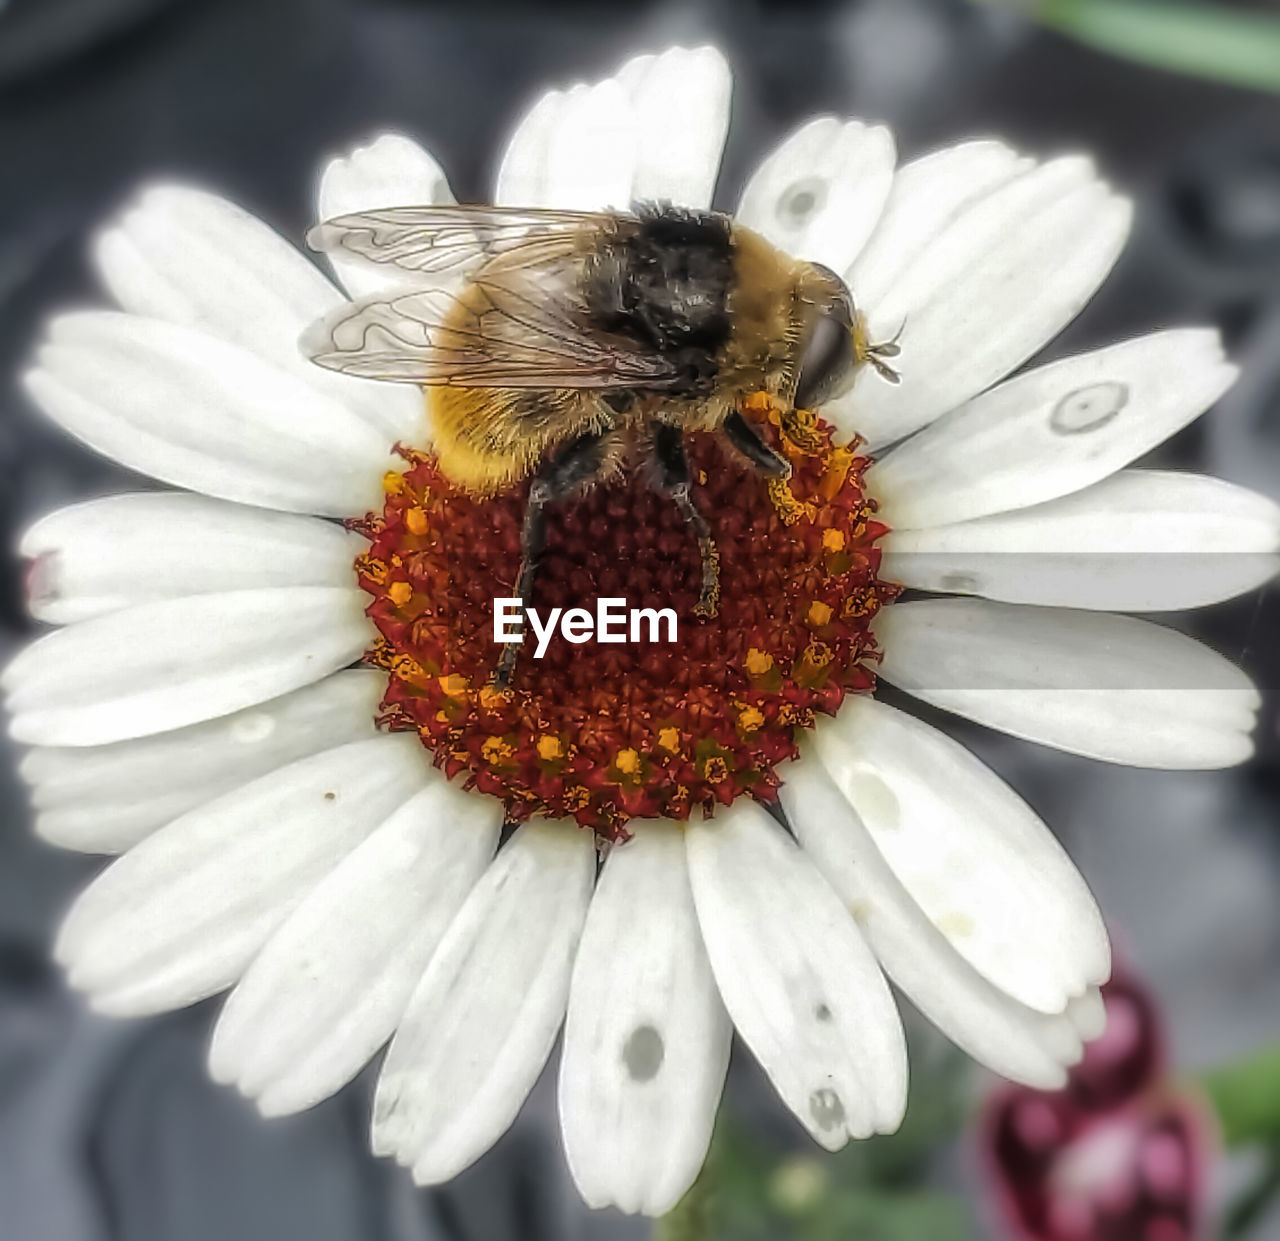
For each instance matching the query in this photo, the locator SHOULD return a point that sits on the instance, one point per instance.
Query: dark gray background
(110, 1130)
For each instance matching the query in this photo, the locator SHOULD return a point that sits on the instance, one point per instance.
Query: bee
(560, 345)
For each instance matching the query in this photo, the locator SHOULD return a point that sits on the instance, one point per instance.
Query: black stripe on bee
(665, 282)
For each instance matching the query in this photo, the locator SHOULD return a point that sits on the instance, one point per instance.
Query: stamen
(608, 733)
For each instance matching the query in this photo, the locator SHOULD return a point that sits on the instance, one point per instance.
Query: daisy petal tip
(1053, 1077)
(423, 1176)
(389, 170)
(283, 1100)
(228, 1052)
(705, 59)
(381, 1142)
(125, 1004)
(1237, 754)
(438, 1164)
(64, 949)
(222, 1065)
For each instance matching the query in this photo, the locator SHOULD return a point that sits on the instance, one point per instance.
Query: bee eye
(828, 357)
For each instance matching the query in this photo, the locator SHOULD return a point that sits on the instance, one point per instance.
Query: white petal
(926, 197)
(197, 412)
(162, 665)
(192, 258)
(1139, 541)
(799, 982)
(574, 149)
(990, 1025)
(329, 987)
(106, 798)
(120, 551)
(971, 853)
(1052, 431)
(1109, 687)
(392, 171)
(988, 290)
(820, 193)
(680, 100)
(646, 1043)
(1088, 1014)
(522, 175)
(483, 1019)
(653, 131)
(180, 916)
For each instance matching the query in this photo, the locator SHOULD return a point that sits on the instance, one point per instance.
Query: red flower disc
(603, 732)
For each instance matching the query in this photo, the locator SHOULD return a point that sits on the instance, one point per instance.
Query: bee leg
(559, 476)
(672, 476)
(743, 436)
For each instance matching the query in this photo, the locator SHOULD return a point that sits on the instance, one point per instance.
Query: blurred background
(111, 1132)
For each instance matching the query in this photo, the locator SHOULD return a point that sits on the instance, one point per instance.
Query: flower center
(608, 732)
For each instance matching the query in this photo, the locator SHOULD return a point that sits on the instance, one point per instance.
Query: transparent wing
(512, 326)
(449, 238)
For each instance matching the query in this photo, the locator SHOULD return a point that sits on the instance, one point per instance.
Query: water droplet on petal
(1088, 409)
(801, 201)
(250, 729)
(643, 1053)
(873, 799)
(826, 1108)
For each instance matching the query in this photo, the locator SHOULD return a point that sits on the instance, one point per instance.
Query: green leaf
(1208, 41)
(1246, 1095)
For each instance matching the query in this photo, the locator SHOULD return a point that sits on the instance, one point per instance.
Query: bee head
(837, 344)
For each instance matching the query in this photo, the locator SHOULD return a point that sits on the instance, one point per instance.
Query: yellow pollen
(669, 740)
(627, 762)
(839, 463)
(750, 719)
(800, 426)
(761, 402)
(792, 716)
(394, 484)
(788, 508)
(858, 604)
(492, 697)
(758, 662)
(833, 540)
(454, 685)
(576, 797)
(496, 750)
(399, 593)
(372, 568)
(416, 521)
(818, 654)
(549, 747)
(819, 613)
(715, 769)
(406, 667)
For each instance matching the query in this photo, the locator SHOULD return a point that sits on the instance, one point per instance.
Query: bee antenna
(884, 370)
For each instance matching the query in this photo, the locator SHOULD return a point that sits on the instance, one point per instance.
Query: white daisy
(199, 713)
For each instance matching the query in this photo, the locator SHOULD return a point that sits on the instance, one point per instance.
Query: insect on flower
(564, 343)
